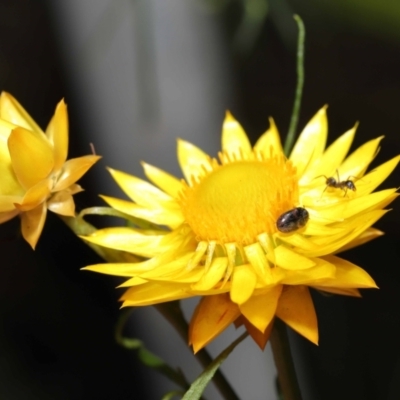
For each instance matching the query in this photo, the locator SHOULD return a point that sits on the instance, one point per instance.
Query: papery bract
(36, 175)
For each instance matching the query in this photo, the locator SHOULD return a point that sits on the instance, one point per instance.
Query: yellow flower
(251, 231)
(34, 172)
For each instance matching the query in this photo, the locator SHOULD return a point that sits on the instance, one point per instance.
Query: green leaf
(198, 386)
(171, 395)
(147, 357)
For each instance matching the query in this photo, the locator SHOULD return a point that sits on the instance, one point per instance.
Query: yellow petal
(365, 237)
(212, 275)
(175, 271)
(182, 276)
(140, 191)
(12, 111)
(296, 309)
(357, 162)
(9, 182)
(243, 283)
(191, 160)
(171, 270)
(35, 195)
(331, 158)
(198, 255)
(74, 189)
(171, 218)
(73, 170)
(168, 183)
(32, 223)
(260, 338)
(356, 226)
(62, 203)
(154, 293)
(315, 229)
(135, 281)
(5, 129)
(259, 310)
(57, 132)
(269, 139)
(121, 269)
(375, 177)
(348, 275)
(322, 270)
(7, 203)
(234, 139)
(342, 291)
(32, 157)
(288, 259)
(212, 316)
(139, 268)
(256, 256)
(128, 239)
(220, 289)
(299, 241)
(311, 142)
(6, 216)
(347, 209)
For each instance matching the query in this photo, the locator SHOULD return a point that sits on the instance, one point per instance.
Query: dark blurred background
(136, 74)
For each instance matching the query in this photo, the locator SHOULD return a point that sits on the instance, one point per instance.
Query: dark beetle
(292, 220)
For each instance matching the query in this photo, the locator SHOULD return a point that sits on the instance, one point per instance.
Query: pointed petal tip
(197, 348)
(228, 115)
(31, 243)
(5, 94)
(324, 107)
(91, 268)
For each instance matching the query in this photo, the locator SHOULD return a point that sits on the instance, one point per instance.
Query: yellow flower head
(34, 172)
(251, 231)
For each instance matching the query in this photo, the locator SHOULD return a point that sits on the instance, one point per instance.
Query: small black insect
(292, 220)
(332, 182)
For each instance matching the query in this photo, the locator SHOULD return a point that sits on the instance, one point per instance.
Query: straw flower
(34, 172)
(251, 231)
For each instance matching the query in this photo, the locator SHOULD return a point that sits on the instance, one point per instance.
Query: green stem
(173, 314)
(299, 88)
(284, 362)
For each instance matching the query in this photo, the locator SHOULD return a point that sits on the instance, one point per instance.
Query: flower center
(237, 201)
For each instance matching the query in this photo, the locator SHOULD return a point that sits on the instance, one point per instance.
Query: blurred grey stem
(299, 87)
(173, 314)
(284, 362)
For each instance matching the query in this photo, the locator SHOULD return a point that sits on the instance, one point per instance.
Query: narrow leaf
(198, 386)
(171, 395)
(148, 358)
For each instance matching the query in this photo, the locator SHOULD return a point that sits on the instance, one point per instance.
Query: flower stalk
(279, 340)
(299, 86)
(173, 314)
(284, 362)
